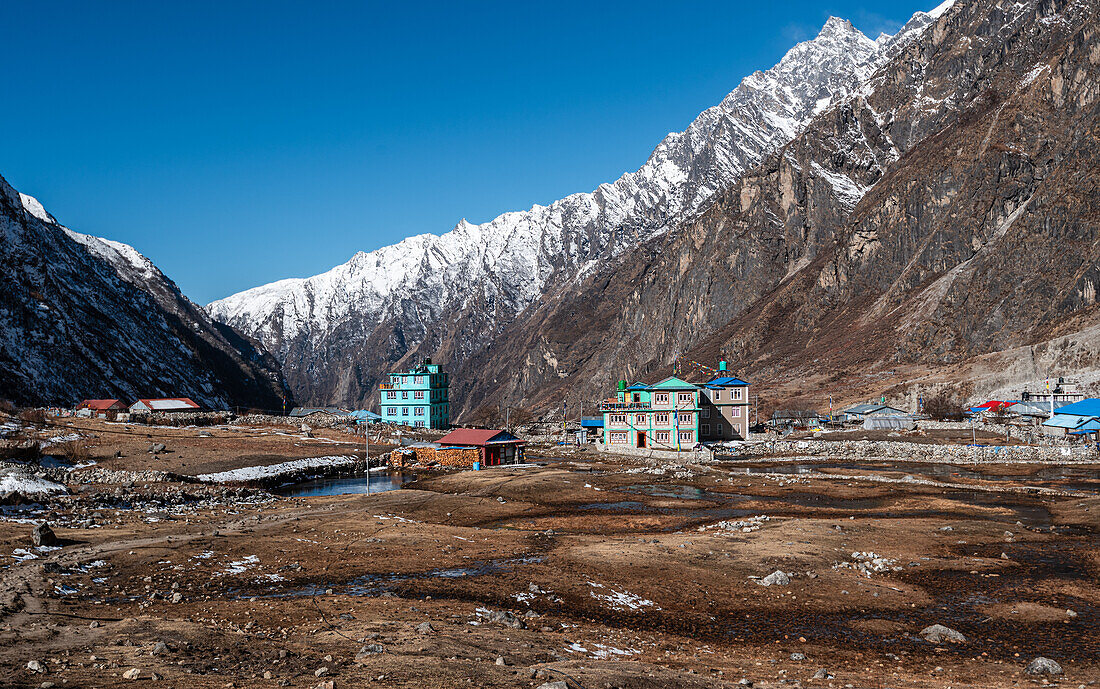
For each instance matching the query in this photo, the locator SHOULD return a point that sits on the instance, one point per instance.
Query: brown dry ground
(628, 586)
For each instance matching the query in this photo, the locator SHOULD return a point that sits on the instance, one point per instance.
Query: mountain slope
(449, 296)
(946, 211)
(87, 317)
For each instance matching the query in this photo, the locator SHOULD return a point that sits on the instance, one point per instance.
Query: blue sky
(240, 143)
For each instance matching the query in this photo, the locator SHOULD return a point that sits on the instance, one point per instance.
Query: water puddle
(377, 584)
(362, 483)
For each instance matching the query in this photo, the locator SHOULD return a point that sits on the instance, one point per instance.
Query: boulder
(43, 535)
(937, 634)
(776, 578)
(36, 667)
(132, 673)
(366, 652)
(507, 619)
(425, 628)
(1043, 666)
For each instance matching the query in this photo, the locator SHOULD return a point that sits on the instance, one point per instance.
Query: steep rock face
(450, 296)
(946, 210)
(87, 317)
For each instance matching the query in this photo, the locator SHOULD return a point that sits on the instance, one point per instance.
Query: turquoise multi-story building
(419, 398)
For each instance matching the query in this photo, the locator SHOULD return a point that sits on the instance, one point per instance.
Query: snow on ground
(273, 470)
(600, 651)
(242, 565)
(28, 485)
(621, 600)
(64, 438)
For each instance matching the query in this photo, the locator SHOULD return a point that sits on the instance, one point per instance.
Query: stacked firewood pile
(457, 457)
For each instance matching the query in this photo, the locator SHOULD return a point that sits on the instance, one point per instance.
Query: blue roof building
(1078, 418)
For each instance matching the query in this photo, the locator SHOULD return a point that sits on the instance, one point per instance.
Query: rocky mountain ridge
(85, 317)
(449, 296)
(938, 228)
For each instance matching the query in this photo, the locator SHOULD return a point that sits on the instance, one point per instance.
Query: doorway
(641, 438)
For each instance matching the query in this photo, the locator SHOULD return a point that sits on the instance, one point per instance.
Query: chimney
(722, 366)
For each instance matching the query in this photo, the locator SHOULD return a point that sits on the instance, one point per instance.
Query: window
(618, 436)
(706, 412)
(717, 394)
(735, 394)
(391, 411)
(397, 380)
(391, 395)
(418, 395)
(617, 419)
(687, 436)
(419, 411)
(418, 379)
(683, 397)
(404, 395)
(706, 429)
(660, 398)
(404, 411)
(637, 397)
(686, 418)
(718, 429)
(663, 436)
(735, 412)
(420, 423)
(639, 419)
(662, 419)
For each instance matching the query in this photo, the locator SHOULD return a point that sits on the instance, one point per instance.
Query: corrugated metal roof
(477, 436)
(1068, 421)
(306, 411)
(1088, 407)
(98, 404)
(170, 404)
(674, 383)
(725, 381)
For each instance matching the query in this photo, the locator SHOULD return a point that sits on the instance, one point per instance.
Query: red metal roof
(183, 402)
(100, 405)
(476, 436)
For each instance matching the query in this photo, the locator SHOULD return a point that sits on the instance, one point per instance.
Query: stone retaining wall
(898, 450)
(703, 455)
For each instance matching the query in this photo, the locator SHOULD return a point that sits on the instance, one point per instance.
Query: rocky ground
(587, 570)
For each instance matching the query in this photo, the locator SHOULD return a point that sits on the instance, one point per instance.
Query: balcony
(627, 406)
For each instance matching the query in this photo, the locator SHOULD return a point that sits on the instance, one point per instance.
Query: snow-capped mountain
(82, 317)
(448, 294)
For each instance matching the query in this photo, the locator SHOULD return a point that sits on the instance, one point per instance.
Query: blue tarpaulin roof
(592, 422)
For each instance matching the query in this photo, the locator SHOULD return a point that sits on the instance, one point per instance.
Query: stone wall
(704, 454)
(906, 451)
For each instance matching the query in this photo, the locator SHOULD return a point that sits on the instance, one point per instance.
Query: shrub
(74, 451)
(35, 416)
(944, 406)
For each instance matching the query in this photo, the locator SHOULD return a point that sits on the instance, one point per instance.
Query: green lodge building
(675, 414)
